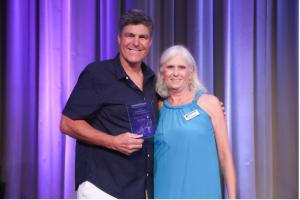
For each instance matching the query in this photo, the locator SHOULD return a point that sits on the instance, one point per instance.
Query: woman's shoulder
(160, 103)
(210, 104)
(208, 99)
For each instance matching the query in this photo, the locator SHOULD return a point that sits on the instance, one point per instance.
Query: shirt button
(127, 77)
(144, 98)
(147, 174)
(148, 155)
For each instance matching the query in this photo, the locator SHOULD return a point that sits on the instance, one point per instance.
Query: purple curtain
(247, 53)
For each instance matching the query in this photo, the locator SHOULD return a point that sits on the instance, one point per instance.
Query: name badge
(191, 115)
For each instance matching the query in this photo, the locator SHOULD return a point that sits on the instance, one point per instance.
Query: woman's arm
(212, 106)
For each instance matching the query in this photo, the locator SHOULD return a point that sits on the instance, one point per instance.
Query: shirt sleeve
(84, 100)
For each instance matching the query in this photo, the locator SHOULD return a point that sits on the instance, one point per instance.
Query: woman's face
(176, 74)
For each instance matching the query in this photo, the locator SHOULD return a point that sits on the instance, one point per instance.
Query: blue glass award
(141, 119)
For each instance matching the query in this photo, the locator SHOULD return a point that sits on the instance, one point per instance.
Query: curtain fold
(241, 94)
(286, 81)
(264, 46)
(2, 94)
(21, 100)
(247, 53)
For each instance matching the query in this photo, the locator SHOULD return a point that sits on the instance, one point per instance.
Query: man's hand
(223, 108)
(127, 143)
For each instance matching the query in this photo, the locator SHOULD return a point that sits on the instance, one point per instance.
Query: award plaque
(141, 119)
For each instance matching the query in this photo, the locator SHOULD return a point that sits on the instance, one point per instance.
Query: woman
(191, 142)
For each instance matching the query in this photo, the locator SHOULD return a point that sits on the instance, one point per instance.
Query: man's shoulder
(101, 69)
(99, 65)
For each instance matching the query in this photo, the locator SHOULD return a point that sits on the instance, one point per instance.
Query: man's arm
(126, 143)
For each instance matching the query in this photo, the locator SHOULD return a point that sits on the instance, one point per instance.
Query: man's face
(135, 42)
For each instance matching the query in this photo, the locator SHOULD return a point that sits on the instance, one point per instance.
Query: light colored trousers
(87, 190)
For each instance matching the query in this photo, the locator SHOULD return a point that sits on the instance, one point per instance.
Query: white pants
(87, 190)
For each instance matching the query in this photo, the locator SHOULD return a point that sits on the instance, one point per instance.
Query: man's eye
(129, 35)
(145, 37)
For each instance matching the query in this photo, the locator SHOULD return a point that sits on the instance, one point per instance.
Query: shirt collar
(120, 72)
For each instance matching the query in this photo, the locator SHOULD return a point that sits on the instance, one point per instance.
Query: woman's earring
(190, 84)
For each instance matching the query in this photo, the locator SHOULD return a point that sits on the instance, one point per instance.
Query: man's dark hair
(135, 17)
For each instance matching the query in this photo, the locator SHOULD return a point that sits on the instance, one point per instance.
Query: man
(110, 160)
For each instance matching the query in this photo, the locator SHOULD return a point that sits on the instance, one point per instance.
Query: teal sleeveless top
(186, 163)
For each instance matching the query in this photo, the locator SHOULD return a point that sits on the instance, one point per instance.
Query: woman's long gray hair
(168, 54)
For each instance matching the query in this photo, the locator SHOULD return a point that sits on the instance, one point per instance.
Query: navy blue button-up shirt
(100, 97)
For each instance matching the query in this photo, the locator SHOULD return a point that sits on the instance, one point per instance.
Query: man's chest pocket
(115, 110)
